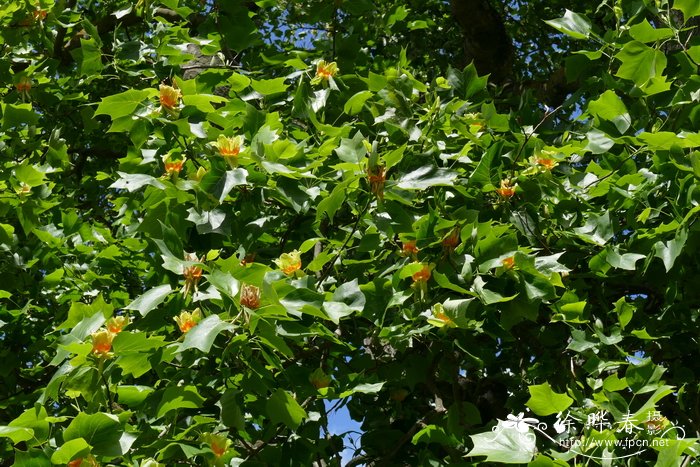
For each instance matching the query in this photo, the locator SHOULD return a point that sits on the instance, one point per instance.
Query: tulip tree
(222, 222)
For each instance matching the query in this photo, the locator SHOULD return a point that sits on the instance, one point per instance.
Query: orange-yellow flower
(88, 461)
(217, 443)
(423, 275)
(229, 146)
(376, 176)
(440, 318)
(507, 190)
(409, 247)
(509, 262)
(324, 71)
(36, 16)
(169, 96)
(102, 342)
(656, 424)
(398, 395)
(290, 262)
(452, 240)
(23, 189)
(186, 320)
(116, 324)
(546, 162)
(250, 296)
(173, 167)
(248, 259)
(193, 274)
(39, 14)
(319, 379)
(24, 85)
(443, 317)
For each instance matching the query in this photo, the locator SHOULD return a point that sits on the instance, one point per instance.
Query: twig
(412, 431)
(530, 134)
(196, 67)
(328, 268)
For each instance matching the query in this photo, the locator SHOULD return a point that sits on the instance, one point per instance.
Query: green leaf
(364, 388)
(282, 407)
(669, 251)
(482, 174)
(466, 83)
(16, 434)
(671, 452)
(133, 182)
(269, 86)
(489, 297)
(598, 229)
(625, 311)
(29, 175)
(202, 102)
(352, 150)
(150, 300)
(179, 397)
(231, 414)
(238, 82)
(126, 342)
(598, 142)
(35, 419)
(640, 63)
(331, 203)
(102, 431)
(544, 401)
(355, 104)
(202, 336)
(18, 115)
(426, 177)
(224, 283)
(123, 104)
(432, 434)
(572, 24)
(347, 299)
(625, 261)
(645, 32)
(90, 57)
(231, 179)
(133, 396)
(505, 444)
(690, 8)
(73, 449)
(609, 107)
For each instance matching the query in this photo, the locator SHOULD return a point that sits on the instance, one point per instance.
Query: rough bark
(486, 41)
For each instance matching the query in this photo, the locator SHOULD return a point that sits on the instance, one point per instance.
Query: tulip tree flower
(102, 342)
(219, 444)
(116, 324)
(193, 274)
(173, 167)
(319, 379)
(409, 248)
(24, 85)
(507, 189)
(377, 177)
(324, 71)
(169, 98)
(250, 296)
(229, 148)
(289, 263)
(186, 320)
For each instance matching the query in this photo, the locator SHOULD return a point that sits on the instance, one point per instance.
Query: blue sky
(340, 423)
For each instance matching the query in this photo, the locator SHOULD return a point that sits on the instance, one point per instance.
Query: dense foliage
(220, 222)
